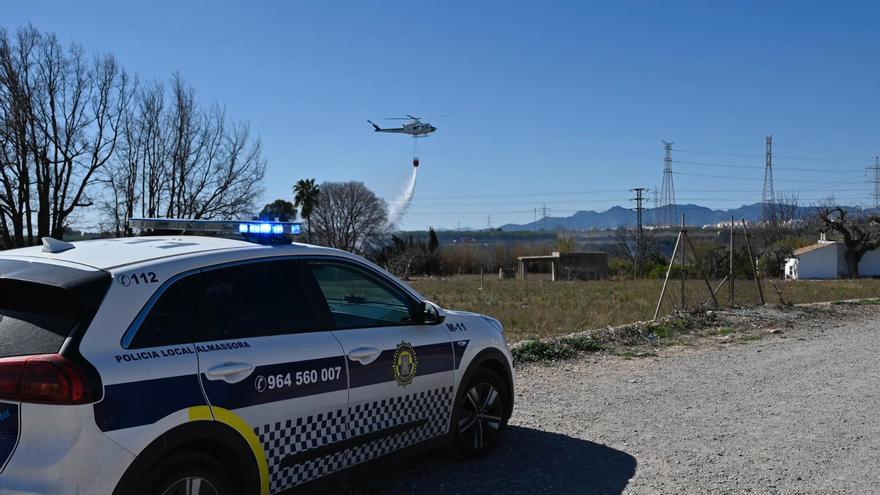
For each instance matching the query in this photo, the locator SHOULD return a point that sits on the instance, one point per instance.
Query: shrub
(553, 350)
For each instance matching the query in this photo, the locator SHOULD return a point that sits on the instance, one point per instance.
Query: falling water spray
(399, 206)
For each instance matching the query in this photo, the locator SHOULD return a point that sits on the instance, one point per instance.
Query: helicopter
(415, 127)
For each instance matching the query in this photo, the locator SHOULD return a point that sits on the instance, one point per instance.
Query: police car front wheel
(188, 473)
(480, 414)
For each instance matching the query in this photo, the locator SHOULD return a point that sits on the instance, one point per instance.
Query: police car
(207, 365)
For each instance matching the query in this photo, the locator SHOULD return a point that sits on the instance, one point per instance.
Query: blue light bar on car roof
(250, 229)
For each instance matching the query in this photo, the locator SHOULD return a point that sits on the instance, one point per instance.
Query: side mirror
(430, 313)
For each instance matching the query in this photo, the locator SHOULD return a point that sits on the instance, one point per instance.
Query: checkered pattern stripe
(434, 406)
(302, 434)
(298, 435)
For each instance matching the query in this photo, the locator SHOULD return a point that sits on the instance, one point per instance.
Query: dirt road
(795, 412)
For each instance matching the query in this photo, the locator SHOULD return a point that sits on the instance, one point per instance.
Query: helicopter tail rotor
(375, 127)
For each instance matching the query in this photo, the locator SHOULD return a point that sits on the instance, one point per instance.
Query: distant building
(825, 260)
(569, 266)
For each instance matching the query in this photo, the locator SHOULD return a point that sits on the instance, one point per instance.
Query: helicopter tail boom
(375, 127)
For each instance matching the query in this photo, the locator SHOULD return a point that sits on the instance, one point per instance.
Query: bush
(540, 350)
(534, 350)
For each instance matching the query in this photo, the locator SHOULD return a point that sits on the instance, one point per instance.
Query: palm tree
(305, 197)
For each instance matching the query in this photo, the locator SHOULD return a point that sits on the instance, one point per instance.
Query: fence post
(683, 276)
(730, 276)
(668, 271)
(752, 262)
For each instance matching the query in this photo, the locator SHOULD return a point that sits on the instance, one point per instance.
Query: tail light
(46, 379)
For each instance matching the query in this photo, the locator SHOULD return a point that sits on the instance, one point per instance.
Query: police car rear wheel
(481, 414)
(188, 473)
(191, 485)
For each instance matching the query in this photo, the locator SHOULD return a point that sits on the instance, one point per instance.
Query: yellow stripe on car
(203, 413)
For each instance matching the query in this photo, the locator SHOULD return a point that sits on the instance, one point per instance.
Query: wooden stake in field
(678, 243)
(752, 261)
(683, 274)
(730, 277)
(668, 271)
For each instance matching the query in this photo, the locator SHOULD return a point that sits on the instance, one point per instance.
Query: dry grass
(539, 309)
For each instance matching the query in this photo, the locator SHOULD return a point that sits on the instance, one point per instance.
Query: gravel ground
(794, 412)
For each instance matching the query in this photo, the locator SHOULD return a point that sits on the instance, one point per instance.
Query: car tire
(481, 414)
(185, 473)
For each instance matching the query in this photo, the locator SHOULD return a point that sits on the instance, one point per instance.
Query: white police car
(206, 365)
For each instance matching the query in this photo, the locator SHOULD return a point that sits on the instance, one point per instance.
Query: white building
(825, 260)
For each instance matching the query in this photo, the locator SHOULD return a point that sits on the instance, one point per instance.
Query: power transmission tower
(544, 213)
(768, 199)
(667, 192)
(876, 181)
(640, 233)
(655, 213)
(489, 221)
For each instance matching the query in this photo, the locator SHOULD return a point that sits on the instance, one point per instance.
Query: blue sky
(556, 103)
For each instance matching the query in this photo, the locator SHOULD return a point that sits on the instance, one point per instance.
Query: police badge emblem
(405, 364)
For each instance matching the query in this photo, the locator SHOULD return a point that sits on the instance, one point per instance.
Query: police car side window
(359, 300)
(172, 319)
(258, 299)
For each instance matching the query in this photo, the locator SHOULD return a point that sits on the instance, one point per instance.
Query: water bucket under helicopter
(415, 161)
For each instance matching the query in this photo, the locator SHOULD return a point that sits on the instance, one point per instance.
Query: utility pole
(876, 182)
(667, 192)
(640, 234)
(768, 198)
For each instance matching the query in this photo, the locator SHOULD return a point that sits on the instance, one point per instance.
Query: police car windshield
(34, 318)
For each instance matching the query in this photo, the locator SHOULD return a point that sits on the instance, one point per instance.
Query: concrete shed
(569, 266)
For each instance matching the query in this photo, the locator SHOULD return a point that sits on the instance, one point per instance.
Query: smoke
(399, 206)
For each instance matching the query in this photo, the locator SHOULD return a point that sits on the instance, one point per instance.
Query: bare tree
(624, 244)
(16, 63)
(76, 131)
(180, 160)
(860, 233)
(348, 216)
(61, 117)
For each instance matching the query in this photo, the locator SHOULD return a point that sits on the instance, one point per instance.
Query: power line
(753, 167)
(532, 194)
(730, 177)
(783, 157)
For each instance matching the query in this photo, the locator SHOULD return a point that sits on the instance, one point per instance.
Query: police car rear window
(34, 318)
(172, 320)
(259, 299)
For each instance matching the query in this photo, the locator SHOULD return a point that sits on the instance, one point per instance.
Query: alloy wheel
(191, 485)
(481, 420)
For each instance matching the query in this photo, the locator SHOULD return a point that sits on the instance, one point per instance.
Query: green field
(539, 308)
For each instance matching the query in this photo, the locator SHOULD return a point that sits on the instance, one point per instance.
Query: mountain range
(617, 215)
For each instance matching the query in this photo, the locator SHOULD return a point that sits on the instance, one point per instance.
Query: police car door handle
(364, 355)
(230, 372)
